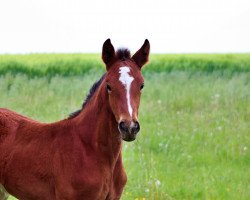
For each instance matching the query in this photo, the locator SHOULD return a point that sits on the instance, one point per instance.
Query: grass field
(195, 118)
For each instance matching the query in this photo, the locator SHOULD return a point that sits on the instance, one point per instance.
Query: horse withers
(78, 157)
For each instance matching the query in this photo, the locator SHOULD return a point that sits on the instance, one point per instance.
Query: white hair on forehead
(126, 79)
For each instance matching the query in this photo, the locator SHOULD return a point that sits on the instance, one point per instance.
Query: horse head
(124, 83)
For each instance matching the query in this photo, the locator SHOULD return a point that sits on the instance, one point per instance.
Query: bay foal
(78, 158)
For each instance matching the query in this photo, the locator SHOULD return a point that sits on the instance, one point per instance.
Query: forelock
(123, 54)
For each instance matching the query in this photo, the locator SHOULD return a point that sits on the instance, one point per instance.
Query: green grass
(49, 65)
(195, 123)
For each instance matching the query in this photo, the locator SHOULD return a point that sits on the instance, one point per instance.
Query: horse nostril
(136, 127)
(123, 127)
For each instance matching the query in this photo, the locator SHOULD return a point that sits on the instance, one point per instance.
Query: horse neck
(97, 126)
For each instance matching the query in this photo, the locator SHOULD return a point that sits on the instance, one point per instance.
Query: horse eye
(142, 86)
(108, 88)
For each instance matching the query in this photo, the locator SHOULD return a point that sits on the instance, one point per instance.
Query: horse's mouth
(128, 138)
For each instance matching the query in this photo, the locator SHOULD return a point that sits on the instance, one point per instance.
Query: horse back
(9, 122)
(18, 143)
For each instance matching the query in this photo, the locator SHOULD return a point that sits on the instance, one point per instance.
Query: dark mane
(92, 91)
(123, 54)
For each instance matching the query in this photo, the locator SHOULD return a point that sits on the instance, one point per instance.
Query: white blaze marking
(126, 80)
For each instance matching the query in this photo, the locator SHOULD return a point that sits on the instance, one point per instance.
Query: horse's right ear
(108, 53)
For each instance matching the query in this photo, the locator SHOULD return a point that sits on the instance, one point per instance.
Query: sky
(78, 26)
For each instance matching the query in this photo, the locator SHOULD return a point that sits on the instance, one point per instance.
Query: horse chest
(105, 181)
(89, 178)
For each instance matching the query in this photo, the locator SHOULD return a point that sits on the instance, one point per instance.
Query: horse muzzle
(129, 130)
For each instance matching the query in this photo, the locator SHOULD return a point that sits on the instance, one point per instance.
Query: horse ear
(141, 56)
(108, 53)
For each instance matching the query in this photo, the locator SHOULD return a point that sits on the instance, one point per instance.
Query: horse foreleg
(118, 182)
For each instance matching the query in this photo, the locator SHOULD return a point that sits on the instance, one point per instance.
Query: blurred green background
(195, 118)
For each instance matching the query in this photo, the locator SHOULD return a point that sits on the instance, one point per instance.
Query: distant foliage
(201, 62)
(40, 65)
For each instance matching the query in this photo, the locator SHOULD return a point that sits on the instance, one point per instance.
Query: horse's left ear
(108, 53)
(141, 56)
